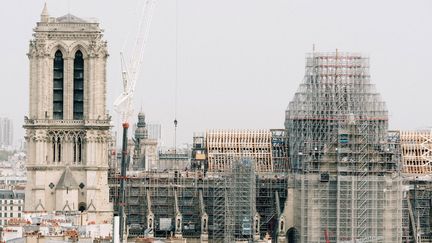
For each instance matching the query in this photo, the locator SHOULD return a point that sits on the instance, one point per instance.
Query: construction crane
(131, 69)
(123, 105)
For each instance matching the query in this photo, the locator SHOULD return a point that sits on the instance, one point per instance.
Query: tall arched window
(56, 149)
(59, 150)
(78, 104)
(77, 150)
(58, 86)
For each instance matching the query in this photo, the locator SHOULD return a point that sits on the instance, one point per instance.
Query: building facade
(6, 132)
(11, 205)
(154, 131)
(68, 128)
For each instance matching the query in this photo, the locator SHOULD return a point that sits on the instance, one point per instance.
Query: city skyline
(243, 62)
(252, 144)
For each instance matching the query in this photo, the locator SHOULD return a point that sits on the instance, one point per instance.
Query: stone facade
(67, 159)
(11, 205)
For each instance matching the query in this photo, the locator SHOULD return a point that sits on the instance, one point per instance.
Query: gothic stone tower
(67, 129)
(145, 153)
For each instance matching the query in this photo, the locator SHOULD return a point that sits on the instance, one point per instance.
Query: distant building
(6, 132)
(154, 131)
(11, 205)
(171, 160)
(52, 228)
(12, 182)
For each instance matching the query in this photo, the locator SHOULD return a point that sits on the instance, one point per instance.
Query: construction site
(346, 179)
(334, 174)
(416, 148)
(240, 195)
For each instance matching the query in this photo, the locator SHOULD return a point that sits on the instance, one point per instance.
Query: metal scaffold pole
(122, 201)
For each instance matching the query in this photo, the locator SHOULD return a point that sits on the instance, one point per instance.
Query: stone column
(68, 89)
(87, 92)
(90, 99)
(39, 87)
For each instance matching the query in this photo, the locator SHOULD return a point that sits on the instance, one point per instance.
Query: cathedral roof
(69, 18)
(67, 180)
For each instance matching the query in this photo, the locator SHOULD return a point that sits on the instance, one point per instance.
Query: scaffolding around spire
(340, 156)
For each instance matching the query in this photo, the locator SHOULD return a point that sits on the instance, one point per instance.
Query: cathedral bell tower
(68, 128)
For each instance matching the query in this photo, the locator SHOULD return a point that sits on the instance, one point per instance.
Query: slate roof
(67, 180)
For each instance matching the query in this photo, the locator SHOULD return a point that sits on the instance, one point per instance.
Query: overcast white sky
(240, 61)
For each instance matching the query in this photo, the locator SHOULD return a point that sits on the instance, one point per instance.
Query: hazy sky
(239, 61)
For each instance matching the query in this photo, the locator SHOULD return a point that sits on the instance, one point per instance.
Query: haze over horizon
(239, 62)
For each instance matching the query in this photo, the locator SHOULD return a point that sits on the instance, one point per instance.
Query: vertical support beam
(122, 183)
(116, 236)
(68, 88)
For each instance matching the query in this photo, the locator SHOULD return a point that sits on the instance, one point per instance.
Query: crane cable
(176, 81)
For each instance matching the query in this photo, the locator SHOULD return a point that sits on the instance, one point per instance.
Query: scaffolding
(219, 198)
(416, 153)
(417, 202)
(279, 150)
(345, 174)
(241, 202)
(219, 205)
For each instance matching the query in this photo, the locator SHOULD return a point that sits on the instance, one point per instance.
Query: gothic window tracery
(67, 146)
(59, 149)
(56, 149)
(77, 153)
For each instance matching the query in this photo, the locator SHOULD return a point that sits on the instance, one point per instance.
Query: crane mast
(131, 67)
(123, 105)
